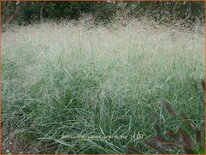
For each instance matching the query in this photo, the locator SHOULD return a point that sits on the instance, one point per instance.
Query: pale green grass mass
(84, 80)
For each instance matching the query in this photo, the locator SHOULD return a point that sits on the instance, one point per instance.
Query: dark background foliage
(27, 12)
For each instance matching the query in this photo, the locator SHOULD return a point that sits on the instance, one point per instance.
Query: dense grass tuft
(68, 80)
